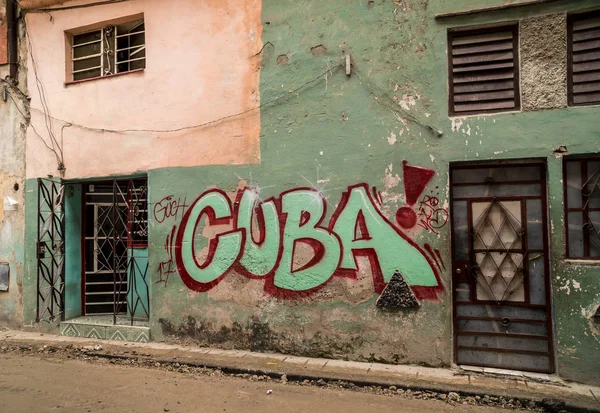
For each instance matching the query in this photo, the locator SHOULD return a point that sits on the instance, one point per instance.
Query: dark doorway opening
(114, 244)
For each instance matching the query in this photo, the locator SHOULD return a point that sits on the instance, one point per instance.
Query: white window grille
(111, 50)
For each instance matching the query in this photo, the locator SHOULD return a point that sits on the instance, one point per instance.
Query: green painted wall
(12, 198)
(30, 277)
(535, 134)
(323, 129)
(73, 231)
(341, 130)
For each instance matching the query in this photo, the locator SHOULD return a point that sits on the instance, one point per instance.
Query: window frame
(72, 58)
(457, 31)
(100, 27)
(571, 19)
(582, 160)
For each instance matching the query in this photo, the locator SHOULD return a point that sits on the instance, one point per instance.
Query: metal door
(50, 252)
(105, 251)
(115, 249)
(501, 302)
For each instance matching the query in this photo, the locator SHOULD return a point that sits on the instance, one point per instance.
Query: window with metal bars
(582, 206)
(108, 51)
(584, 58)
(483, 70)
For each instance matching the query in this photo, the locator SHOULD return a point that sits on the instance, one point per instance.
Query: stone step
(74, 328)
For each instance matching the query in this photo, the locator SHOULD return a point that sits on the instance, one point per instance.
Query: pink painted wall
(3, 36)
(199, 68)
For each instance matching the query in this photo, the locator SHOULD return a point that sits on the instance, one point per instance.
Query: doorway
(115, 249)
(501, 293)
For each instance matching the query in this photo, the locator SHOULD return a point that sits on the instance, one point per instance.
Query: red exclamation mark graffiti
(415, 181)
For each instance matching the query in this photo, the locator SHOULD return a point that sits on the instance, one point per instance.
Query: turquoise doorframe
(137, 287)
(73, 204)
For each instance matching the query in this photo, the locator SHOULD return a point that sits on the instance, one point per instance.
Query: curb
(542, 403)
(348, 379)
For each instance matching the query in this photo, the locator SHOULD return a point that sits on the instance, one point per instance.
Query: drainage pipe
(12, 27)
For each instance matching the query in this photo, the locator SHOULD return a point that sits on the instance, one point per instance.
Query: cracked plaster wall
(12, 189)
(338, 131)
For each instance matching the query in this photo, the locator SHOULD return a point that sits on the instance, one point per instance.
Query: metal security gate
(50, 248)
(501, 290)
(115, 231)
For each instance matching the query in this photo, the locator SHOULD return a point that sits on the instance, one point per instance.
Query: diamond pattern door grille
(498, 241)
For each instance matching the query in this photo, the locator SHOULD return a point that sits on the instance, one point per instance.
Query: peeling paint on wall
(359, 128)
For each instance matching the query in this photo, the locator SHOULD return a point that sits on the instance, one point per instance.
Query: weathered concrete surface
(24, 387)
(543, 52)
(340, 130)
(328, 131)
(12, 187)
(533, 387)
(333, 133)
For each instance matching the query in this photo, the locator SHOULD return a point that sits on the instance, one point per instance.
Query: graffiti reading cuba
(263, 238)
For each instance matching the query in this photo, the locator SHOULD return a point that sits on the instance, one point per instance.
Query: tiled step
(105, 331)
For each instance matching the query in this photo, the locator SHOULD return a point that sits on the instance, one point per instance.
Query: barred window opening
(111, 50)
(582, 207)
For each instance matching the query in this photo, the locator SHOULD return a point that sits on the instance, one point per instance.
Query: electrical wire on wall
(385, 100)
(26, 116)
(56, 146)
(200, 125)
(379, 94)
(375, 90)
(53, 145)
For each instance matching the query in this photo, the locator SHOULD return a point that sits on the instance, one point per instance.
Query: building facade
(394, 181)
(13, 125)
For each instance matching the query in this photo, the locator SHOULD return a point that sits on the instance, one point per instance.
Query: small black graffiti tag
(431, 217)
(168, 267)
(169, 207)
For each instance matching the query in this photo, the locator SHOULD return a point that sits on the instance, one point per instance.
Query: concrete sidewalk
(469, 382)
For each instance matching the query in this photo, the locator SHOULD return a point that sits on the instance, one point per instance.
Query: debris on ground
(135, 359)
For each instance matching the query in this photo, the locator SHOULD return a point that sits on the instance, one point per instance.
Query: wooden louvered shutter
(484, 70)
(584, 59)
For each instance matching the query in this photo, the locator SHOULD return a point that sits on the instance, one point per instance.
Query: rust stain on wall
(3, 37)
